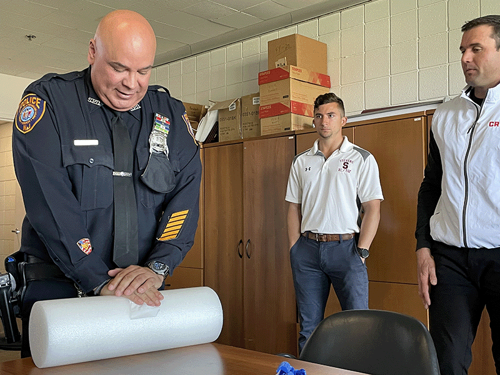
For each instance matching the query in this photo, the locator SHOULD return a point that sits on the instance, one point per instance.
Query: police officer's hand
(426, 270)
(139, 284)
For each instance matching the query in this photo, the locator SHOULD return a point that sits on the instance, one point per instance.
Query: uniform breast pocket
(95, 190)
(158, 177)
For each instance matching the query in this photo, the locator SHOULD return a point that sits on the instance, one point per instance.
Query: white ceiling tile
(267, 10)
(63, 28)
(209, 10)
(238, 20)
(240, 4)
(298, 4)
(67, 45)
(28, 8)
(57, 4)
(90, 9)
(210, 29)
(176, 34)
(72, 20)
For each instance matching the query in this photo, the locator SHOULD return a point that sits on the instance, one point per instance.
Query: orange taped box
(294, 72)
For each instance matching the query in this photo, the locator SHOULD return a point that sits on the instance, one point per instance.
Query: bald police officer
(110, 174)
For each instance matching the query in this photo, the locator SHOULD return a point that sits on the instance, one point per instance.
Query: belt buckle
(318, 236)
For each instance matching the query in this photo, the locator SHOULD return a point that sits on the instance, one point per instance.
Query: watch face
(363, 253)
(159, 267)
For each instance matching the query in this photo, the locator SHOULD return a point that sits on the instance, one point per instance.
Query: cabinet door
(269, 298)
(399, 147)
(224, 235)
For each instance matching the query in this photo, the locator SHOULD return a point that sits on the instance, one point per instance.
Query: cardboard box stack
(238, 118)
(297, 75)
(195, 113)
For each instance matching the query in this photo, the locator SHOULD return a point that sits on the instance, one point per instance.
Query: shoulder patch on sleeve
(30, 112)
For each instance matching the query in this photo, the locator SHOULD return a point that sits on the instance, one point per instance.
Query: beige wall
(10, 94)
(9, 242)
(382, 53)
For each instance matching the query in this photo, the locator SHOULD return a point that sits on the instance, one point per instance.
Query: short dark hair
(492, 20)
(329, 97)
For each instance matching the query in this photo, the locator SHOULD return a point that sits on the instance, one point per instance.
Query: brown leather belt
(327, 237)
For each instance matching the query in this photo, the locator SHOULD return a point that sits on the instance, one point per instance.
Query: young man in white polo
(327, 245)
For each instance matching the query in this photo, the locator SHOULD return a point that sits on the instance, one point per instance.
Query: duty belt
(37, 269)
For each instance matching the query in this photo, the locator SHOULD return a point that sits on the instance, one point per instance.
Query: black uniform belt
(38, 269)
(327, 237)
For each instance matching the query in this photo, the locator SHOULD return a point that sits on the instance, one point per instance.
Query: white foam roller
(78, 330)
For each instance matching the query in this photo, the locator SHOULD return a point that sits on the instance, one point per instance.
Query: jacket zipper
(466, 178)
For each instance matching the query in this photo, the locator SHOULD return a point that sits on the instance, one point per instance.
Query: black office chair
(374, 342)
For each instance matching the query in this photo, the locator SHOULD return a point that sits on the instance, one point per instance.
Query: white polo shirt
(327, 189)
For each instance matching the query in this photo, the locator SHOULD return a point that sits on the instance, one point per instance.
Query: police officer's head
(122, 55)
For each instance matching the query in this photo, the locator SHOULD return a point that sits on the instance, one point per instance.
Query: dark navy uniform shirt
(63, 157)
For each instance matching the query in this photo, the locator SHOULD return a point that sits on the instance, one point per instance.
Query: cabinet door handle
(246, 248)
(240, 244)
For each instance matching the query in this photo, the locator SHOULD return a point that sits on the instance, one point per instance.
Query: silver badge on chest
(159, 134)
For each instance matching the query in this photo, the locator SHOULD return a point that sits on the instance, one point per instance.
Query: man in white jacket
(458, 225)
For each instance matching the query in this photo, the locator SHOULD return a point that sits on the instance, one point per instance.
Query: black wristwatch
(363, 253)
(159, 268)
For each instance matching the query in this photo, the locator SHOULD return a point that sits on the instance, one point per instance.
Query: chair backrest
(374, 342)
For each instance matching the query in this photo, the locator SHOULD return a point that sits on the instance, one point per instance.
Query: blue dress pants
(316, 265)
(467, 281)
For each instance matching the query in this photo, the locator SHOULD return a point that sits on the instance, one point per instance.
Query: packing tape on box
(75, 330)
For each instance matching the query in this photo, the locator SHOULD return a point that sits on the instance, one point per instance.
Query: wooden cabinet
(246, 243)
(190, 272)
(223, 185)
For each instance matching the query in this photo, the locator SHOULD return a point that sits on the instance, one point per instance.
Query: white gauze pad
(75, 330)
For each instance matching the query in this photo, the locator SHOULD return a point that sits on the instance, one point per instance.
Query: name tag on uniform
(86, 142)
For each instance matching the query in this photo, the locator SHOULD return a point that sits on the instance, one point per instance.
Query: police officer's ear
(91, 54)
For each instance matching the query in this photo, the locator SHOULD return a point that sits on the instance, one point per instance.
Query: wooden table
(207, 359)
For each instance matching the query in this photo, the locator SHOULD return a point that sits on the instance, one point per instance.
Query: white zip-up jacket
(459, 199)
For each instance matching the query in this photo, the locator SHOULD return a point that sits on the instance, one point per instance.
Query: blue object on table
(286, 369)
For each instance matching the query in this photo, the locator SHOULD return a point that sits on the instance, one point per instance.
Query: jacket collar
(492, 96)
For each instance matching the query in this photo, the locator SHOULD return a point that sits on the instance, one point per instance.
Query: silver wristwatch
(159, 268)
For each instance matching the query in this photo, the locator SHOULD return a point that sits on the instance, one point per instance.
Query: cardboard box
(294, 72)
(195, 113)
(229, 119)
(297, 50)
(250, 124)
(288, 106)
(290, 89)
(282, 123)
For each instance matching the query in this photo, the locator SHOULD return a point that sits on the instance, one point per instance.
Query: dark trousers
(316, 265)
(40, 290)
(468, 280)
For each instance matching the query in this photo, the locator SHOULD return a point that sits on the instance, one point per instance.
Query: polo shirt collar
(346, 146)
(94, 103)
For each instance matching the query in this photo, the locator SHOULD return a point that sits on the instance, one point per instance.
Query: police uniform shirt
(63, 157)
(328, 189)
